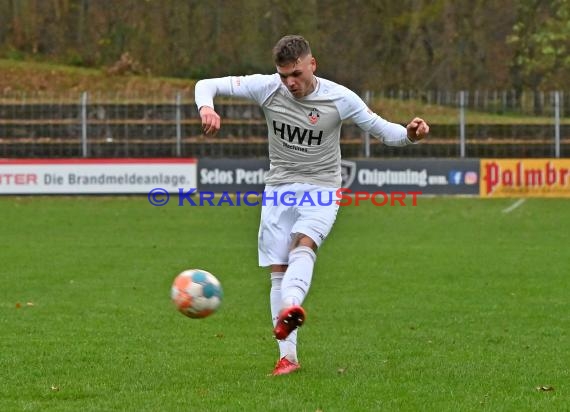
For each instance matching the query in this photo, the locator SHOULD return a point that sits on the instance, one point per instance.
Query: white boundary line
(514, 206)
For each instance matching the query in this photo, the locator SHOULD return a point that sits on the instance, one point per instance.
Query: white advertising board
(95, 176)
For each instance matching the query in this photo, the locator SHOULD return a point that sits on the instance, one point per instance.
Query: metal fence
(471, 124)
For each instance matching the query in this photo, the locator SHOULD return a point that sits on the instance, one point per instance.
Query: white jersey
(304, 133)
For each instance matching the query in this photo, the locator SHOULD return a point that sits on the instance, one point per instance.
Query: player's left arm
(353, 107)
(417, 129)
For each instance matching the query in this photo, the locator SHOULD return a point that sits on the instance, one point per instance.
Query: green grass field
(452, 305)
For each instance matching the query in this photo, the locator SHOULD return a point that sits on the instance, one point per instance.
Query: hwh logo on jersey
(290, 133)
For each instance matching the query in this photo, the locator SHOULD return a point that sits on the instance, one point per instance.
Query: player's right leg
(288, 361)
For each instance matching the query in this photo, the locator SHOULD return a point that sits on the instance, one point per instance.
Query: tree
(541, 42)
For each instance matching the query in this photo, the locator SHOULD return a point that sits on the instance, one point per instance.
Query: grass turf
(452, 305)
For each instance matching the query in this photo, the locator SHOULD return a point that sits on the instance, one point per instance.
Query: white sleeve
(353, 108)
(257, 87)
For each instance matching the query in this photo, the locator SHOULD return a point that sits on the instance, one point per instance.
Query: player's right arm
(211, 120)
(256, 87)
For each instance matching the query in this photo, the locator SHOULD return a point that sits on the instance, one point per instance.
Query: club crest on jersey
(314, 116)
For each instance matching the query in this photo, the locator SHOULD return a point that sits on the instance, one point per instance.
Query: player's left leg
(313, 225)
(295, 286)
(299, 273)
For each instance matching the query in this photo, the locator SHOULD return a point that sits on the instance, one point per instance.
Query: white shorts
(290, 209)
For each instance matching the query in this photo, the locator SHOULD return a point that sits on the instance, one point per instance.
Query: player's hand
(417, 129)
(210, 121)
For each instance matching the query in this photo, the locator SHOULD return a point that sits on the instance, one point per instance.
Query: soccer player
(304, 115)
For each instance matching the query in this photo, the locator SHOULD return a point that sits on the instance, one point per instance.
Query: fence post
(557, 123)
(84, 124)
(367, 134)
(462, 123)
(178, 125)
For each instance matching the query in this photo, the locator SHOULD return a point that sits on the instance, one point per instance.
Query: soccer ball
(196, 293)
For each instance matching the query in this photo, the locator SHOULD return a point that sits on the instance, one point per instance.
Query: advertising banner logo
(525, 178)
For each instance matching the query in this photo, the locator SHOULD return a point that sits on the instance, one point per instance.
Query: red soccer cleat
(285, 366)
(289, 319)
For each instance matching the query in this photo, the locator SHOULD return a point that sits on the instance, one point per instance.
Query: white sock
(287, 347)
(275, 295)
(297, 278)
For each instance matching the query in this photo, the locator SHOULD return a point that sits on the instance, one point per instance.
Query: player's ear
(313, 64)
